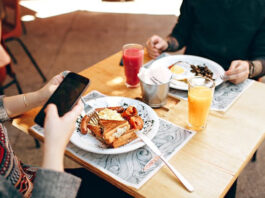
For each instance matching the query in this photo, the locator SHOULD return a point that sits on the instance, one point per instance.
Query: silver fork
(155, 80)
(94, 117)
(224, 77)
(95, 120)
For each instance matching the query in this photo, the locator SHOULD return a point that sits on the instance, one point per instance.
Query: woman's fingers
(51, 113)
(76, 111)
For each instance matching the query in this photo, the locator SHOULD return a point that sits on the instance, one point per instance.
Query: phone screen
(65, 96)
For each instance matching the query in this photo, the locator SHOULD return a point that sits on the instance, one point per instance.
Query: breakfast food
(114, 126)
(203, 71)
(180, 70)
(176, 69)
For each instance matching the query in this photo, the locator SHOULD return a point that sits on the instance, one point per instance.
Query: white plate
(194, 60)
(90, 143)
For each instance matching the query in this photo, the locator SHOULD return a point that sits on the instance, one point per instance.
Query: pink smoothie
(132, 60)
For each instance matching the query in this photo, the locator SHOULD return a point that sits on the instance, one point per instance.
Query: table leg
(254, 158)
(232, 192)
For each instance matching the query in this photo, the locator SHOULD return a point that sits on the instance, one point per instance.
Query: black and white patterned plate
(90, 143)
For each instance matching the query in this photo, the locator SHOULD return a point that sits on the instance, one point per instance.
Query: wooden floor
(77, 40)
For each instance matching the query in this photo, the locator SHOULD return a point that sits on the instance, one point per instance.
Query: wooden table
(211, 161)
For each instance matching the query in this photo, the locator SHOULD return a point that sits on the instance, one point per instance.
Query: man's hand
(238, 71)
(155, 45)
(57, 132)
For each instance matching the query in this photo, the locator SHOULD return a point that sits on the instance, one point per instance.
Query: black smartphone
(65, 96)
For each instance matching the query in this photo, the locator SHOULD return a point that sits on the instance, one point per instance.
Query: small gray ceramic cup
(154, 95)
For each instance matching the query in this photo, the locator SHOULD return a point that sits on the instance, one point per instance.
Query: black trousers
(94, 186)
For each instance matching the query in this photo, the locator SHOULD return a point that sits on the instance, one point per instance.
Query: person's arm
(257, 51)
(51, 181)
(15, 105)
(7, 189)
(180, 34)
(240, 70)
(258, 68)
(172, 44)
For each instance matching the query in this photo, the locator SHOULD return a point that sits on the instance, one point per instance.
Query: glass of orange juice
(200, 95)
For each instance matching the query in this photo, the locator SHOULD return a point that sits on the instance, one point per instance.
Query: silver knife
(154, 149)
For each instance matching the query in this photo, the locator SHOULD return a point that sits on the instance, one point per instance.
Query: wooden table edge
(244, 164)
(130, 190)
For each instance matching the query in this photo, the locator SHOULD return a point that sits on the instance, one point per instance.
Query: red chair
(7, 70)
(12, 30)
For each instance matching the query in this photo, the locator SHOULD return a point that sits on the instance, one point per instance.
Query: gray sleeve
(51, 184)
(3, 114)
(7, 189)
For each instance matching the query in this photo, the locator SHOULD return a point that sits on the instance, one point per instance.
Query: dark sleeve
(182, 29)
(50, 183)
(257, 49)
(7, 189)
(263, 69)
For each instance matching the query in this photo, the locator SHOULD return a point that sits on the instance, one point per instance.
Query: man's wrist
(172, 43)
(167, 48)
(251, 69)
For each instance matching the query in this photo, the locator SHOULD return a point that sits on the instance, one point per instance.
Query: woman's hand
(46, 91)
(57, 132)
(238, 71)
(155, 46)
(15, 105)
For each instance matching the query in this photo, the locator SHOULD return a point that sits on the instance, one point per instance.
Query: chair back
(2, 75)
(11, 24)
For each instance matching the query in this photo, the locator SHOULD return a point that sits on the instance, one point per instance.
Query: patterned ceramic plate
(90, 143)
(193, 60)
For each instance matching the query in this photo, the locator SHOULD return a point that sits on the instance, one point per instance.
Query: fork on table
(224, 77)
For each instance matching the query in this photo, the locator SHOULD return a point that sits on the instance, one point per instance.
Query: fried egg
(109, 114)
(180, 71)
(177, 70)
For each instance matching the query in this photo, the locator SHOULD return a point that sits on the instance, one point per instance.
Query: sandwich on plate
(114, 126)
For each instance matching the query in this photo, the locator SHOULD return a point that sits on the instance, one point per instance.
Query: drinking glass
(200, 95)
(133, 55)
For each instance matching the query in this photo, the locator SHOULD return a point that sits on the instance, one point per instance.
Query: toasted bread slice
(112, 129)
(124, 139)
(97, 131)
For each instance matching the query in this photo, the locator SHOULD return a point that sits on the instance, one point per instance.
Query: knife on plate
(154, 149)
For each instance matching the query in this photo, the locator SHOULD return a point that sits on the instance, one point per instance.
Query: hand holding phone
(65, 96)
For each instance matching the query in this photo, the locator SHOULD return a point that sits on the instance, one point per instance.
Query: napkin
(161, 75)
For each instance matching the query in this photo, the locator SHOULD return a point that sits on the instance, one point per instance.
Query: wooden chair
(12, 30)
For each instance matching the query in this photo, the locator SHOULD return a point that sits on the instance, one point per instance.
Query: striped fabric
(19, 175)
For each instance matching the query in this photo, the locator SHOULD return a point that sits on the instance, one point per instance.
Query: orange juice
(199, 101)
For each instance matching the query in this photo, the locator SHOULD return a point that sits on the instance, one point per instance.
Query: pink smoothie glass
(133, 55)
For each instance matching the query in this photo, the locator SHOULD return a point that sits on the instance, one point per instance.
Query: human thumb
(51, 111)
